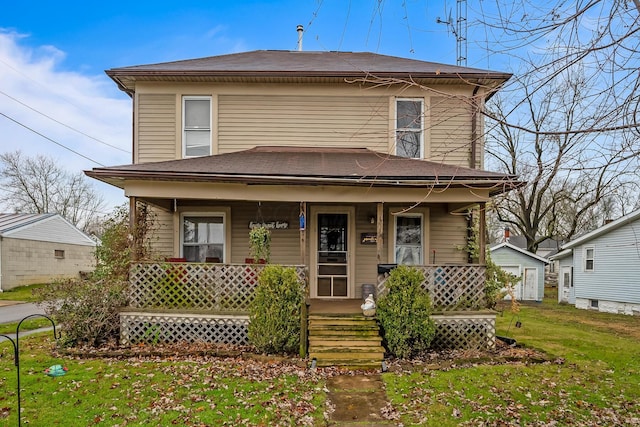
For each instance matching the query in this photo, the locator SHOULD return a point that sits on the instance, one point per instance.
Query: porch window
(409, 138)
(196, 120)
(203, 237)
(408, 242)
(589, 257)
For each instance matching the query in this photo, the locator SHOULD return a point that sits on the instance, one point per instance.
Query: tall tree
(39, 185)
(570, 175)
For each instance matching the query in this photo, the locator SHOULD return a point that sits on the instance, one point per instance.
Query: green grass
(27, 325)
(155, 392)
(21, 293)
(593, 379)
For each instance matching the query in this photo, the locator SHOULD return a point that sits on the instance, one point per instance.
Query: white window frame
(419, 131)
(593, 258)
(205, 214)
(185, 99)
(422, 236)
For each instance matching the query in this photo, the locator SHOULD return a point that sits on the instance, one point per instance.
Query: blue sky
(53, 56)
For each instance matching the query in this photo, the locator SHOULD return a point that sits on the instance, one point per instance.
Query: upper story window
(409, 128)
(196, 125)
(589, 257)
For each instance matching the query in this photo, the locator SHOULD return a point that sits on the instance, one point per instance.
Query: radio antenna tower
(459, 30)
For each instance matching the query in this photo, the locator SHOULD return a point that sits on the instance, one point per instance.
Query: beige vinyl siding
(339, 121)
(450, 131)
(285, 244)
(447, 236)
(161, 238)
(156, 127)
(366, 268)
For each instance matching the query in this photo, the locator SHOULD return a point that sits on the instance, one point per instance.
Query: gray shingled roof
(307, 64)
(286, 165)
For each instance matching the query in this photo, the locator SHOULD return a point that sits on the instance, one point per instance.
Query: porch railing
(451, 287)
(219, 288)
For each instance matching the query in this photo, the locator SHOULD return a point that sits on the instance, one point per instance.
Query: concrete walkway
(357, 400)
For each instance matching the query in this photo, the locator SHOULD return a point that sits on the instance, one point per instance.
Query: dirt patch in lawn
(501, 354)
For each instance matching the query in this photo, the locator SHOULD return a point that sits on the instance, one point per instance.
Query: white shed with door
(527, 266)
(606, 267)
(39, 248)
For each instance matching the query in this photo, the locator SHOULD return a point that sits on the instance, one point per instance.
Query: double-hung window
(589, 257)
(196, 126)
(408, 239)
(203, 236)
(409, 127)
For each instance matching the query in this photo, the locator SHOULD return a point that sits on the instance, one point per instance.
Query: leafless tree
(39, 185)
(570, 175)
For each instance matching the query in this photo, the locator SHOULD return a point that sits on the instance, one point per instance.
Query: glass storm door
(332, 246)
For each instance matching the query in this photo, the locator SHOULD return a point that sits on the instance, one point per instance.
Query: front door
(332, 267)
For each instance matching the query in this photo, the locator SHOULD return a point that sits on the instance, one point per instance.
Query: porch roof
(309, 166)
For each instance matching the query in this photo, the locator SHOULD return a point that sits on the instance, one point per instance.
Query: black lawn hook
(16, 351)
(518, 323)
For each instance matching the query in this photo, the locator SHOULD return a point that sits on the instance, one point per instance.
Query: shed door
(530, 287)
(566, 284)
(517, 287)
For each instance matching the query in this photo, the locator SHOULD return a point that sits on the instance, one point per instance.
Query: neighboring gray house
(528, 266)
(39, 248)
(604, 267)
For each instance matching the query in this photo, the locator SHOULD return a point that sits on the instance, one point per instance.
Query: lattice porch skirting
(168, 327)
(462, 330)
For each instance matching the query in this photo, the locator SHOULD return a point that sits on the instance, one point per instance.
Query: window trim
(422, 234)
(225, 225)
(412, 130)
(585, 259)
(186, 98)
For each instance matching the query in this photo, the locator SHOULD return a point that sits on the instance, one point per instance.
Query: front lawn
(154, 391)
(591, 377)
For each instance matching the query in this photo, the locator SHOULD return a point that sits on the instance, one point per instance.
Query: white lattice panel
(451, 287)
(153, 328)
(221, 288)
(464, 331)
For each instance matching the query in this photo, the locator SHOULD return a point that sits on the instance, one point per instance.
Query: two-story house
(355, 160)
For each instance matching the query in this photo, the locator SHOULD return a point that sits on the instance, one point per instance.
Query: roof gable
(633, 216)
(517, 249)
(42, 227)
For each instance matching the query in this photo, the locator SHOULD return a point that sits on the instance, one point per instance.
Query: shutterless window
(196, 126)
(58, 253)
(409, 117)
(589, 259)
(203, 236)
(408, 244)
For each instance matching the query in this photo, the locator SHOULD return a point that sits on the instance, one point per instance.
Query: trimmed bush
(274, 313)
(404, 313)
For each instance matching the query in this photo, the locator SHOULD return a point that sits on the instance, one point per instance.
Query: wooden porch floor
(323, 306)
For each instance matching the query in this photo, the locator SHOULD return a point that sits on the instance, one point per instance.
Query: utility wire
(49, 139)
(63, 124)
